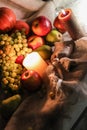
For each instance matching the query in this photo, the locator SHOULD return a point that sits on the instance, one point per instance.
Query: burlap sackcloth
(44, 113)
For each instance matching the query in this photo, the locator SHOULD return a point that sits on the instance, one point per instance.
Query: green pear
(54, 36)
(9, 105)
(44, 51)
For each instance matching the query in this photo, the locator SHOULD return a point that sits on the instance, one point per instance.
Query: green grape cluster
(12, 46)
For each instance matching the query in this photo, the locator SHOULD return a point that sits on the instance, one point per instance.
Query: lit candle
(71, 24)
(34, 61)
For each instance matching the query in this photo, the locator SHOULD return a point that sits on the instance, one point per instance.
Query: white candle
(34, 61)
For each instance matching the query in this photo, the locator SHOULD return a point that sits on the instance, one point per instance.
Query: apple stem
(36, 25)
(26, 74)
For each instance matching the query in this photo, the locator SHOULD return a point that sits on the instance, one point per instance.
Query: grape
(2, 43)
(12, 46)
(5, 81)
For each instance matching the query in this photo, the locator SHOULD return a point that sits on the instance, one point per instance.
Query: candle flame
(63, 11)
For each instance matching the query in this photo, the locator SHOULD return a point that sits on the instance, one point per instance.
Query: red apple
(7, 19)
(41, 25)
(22, 25)
(58, 25)
(35, 41)
(19, 59)
(31, 80)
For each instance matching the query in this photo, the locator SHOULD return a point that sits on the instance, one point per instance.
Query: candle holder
(71, 24)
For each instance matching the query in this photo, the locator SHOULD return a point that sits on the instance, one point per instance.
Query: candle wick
(63, 12)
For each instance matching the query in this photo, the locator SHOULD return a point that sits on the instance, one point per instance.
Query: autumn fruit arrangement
(17, 39)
